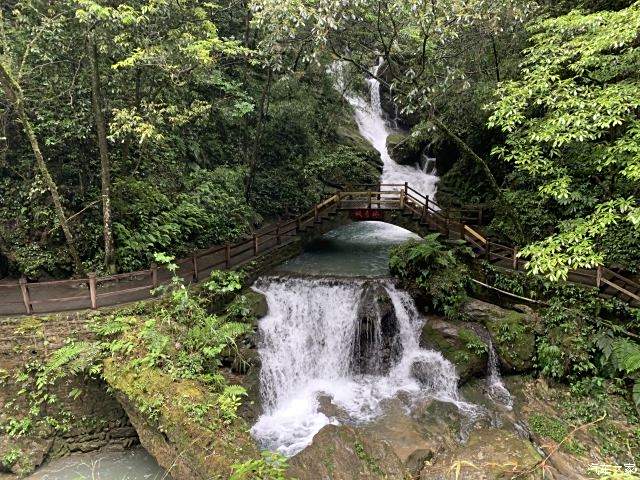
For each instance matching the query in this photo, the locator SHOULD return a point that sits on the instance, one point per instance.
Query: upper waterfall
(373, 126)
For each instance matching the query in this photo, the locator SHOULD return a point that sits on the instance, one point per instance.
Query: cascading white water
(495, 386)
(306, 347)
(370, 118)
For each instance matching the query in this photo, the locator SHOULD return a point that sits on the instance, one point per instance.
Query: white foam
(306, 346)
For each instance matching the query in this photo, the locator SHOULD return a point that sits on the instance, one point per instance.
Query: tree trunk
(14, 94)
(105, 171)
(492, 180)
(496, 61)
(253, 160)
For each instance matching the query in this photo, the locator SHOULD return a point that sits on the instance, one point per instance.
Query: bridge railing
(93, 291)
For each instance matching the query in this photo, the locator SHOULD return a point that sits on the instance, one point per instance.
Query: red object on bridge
(366, 214)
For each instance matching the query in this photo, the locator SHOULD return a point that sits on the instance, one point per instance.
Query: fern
(626, 355)
(77, 357)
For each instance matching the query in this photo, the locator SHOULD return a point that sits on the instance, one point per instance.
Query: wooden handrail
(470, 230)
(401, 197)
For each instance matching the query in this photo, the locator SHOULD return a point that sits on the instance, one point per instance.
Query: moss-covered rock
(179, 423)
(459, 343)
(403, 149)
(512, 332)
(345, 453)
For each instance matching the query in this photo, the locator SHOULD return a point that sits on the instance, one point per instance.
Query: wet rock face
(459, 342)
(346, 453)
(377, 345)
(402, 150)
(512, 332)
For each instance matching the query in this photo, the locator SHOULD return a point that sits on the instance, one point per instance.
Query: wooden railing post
(154, 275)
(369, 200)
(278, 239)
(598, 276)
(227, 255)
(487, 252)
(92, 290)
(315, 213)
(255, 244)
(515, 258)
(26, 298)
(402, 194)
(194, 261)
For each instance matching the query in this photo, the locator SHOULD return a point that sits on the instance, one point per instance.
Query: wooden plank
(620, 277)
(92, 290)
(475, 234)
(623, 290)
(25, 295)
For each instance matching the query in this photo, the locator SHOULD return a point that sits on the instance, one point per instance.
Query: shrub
(436, 269)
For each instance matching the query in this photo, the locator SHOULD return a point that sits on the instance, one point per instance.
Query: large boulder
(377, 347)
(459, 342)
(164, 412)
(512, 332)
(345, 453)
(403, 149)
(488, 454)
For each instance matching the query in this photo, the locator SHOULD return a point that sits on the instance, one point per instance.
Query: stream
(311, 336)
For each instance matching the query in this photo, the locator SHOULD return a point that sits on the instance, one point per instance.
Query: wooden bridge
(393, 203)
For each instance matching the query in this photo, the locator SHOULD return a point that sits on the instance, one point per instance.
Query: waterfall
(370, 118)
(495, 386)
(307, 343)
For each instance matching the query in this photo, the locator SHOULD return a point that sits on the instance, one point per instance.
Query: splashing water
(373, 127)
(306, 346)
(495, 386)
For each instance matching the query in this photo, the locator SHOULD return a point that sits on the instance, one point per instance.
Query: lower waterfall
(307, 346)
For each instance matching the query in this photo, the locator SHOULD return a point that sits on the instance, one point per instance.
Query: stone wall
(95, 420)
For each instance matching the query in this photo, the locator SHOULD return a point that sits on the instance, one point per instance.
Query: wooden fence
(94, 292)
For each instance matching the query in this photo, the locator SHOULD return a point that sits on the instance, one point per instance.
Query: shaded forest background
(168, 126)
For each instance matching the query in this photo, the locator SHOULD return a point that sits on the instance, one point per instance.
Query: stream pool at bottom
(135, 464)
(356, 249)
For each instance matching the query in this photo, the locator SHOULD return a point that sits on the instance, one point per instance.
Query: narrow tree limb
(14, 94)
(488, 174)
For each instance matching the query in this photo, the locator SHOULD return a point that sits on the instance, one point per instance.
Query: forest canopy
(133, 127)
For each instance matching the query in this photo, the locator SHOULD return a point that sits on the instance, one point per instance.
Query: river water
(308, 337)
(375, 128)
(135, 464)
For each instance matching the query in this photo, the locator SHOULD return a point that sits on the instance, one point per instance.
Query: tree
(14, 94)
(105, 169)
(572, 127)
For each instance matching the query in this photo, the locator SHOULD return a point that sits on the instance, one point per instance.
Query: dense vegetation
(134, 127)
(131, 127)
(171, 359)
(582, 340)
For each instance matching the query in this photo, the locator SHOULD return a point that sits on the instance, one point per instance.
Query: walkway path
(399, 204)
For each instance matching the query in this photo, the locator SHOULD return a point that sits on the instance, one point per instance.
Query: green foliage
(10, 458)
(436, 269)
(208, 208)
(556, 430)
(229, 401)
(221, 282)
(572, 128)
(271, 466)
(623, 355)
(473, 342)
